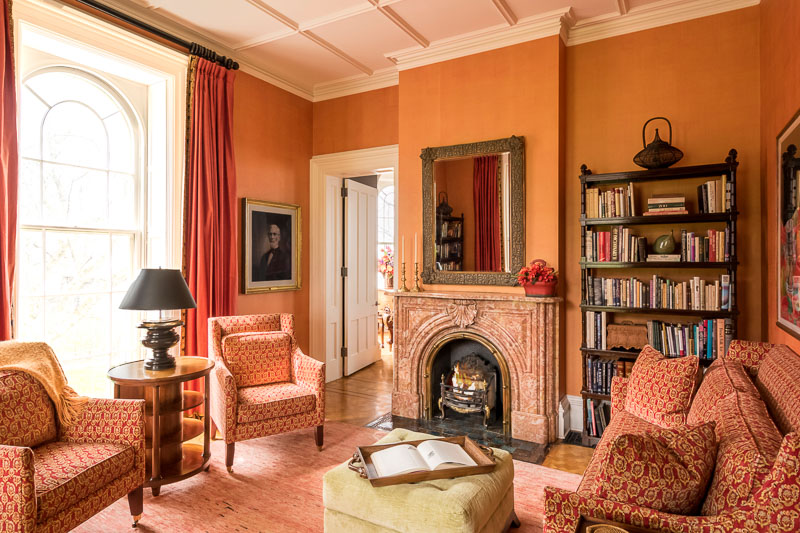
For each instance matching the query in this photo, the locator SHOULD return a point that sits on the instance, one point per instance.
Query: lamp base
(161, 336)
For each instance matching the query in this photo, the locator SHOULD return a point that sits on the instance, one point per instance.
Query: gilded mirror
(473, 204)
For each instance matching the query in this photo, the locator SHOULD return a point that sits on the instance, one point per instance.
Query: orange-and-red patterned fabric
(778, 381)
(17, 489)
(258, 358)
(619, 387)
(720, 380)
(274, 400)
(778, 500)
(749, 353)
(27, 415)
(221, 326)
(67, 472)
(660, 389)
(666, 469)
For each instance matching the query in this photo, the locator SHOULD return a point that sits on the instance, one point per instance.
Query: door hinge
(344, 272)
(344, 191)
(344, 351)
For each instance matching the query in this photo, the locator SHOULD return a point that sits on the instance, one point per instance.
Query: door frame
(341, 165)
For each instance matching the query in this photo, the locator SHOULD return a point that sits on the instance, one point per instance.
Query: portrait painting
(271, 246)
(789, 228)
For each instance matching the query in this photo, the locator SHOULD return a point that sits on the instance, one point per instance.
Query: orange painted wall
(272, 142)
(363, 120)
(704, 76)
(780, 100)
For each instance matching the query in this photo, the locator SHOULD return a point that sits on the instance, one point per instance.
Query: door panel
(333, 302)
(361, 306)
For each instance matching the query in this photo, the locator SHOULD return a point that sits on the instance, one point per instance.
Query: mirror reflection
(471, 214)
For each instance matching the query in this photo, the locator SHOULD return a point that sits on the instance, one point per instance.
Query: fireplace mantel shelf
(464, 295)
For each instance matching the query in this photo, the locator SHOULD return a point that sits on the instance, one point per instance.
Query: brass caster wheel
(230, 470)
(319, 447)
(136, 521)
(208, 468)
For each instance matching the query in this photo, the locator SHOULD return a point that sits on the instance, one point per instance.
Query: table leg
(206, 420)
(155, 466)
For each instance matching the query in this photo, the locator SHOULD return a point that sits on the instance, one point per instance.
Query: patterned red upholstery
(749, 353)
(778, 500)
(274, 400)
(778, 381)
(66, 472)
(619, 387)
(53, 487)
(660, 389)
(258, 358)
(291, 391)
(27, 415)
(666, 469)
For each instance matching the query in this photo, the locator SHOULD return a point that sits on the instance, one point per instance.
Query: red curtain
(9, 167)
(209, 232)
(487, 213)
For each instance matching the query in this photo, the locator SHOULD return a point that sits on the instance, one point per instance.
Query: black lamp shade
(157, 289)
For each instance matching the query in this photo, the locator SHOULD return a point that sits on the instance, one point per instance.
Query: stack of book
(596, 322)
(659, 293)
(714, 196)
(666, 204)
(619, 244)
(716, 247)
(600, 372)
(616, 202)
(598, 416)
(706, 339)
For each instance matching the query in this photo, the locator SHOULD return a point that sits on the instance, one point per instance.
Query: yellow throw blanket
(38, 360)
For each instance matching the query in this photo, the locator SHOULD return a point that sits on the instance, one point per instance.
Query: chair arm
(310, 373)
(563, 509)
(619, 388)
(18, 501)
(113, 421)
(224, 400)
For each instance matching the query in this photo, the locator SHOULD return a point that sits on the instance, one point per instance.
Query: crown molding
(528, 29)
(650, 16)
(356, 84)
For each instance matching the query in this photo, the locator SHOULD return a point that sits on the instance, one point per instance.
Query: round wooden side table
(169, 457)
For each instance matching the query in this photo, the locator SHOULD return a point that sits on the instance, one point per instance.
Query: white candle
(415, 247)
(403, 254)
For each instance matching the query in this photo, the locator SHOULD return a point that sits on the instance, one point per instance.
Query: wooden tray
(361, 463)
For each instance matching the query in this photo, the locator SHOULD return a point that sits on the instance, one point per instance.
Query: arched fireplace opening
(467, 381)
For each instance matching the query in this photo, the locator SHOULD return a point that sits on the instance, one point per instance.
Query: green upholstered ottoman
(482, 503)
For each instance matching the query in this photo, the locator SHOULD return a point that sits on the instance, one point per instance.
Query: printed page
(440, 454)
(399, 459)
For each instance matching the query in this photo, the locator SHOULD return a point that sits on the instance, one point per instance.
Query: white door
(361, 305)
(333, 278)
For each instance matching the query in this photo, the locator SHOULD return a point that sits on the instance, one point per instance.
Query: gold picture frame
(271, 247)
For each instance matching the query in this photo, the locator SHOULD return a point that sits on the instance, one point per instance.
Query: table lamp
(159, 289)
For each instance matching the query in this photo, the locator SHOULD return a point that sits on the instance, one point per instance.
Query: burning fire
(465, 380)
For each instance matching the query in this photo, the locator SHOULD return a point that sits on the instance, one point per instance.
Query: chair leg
(318, 437)
(136, 504)
(229, 456)
(213, 430)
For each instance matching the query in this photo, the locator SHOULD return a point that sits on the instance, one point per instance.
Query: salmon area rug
(276, 487)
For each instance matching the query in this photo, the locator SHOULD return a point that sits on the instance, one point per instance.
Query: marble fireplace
(517, 335)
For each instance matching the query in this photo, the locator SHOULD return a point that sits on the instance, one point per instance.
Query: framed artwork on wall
(789, 228)
(271, 239)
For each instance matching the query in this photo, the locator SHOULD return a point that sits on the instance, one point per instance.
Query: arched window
(80, 222)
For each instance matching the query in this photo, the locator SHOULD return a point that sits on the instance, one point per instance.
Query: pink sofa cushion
(720, 380)
(666, 469)
(778, 381)
(273, 400)
(749, 353)
(660, 389)
(27, 415)
(67, 472)
(258, 358)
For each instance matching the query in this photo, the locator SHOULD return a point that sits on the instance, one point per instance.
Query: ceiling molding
(335, 51)
(650, 16)
(263, 39)
(528, 29)
(622, 6)
(506, 11)
(398, 21)
(356, 84)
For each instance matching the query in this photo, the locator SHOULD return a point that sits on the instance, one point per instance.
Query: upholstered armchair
(262, 384)
(53, 478)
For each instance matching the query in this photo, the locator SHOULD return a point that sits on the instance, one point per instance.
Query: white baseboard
(564, 414)
(576, 412)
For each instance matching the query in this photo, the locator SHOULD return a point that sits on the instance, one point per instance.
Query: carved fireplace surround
(523, 331)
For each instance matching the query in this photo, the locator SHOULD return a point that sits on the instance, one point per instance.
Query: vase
(540, 288)
(388, 281)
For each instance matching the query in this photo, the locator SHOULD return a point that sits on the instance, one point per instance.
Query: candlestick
(416, 287)
(403, 255)
(403, 287)
(415, 248)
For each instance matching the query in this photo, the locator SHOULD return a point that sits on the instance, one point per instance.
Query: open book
(429, 455)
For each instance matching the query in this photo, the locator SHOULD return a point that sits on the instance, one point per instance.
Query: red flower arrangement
(536, 272)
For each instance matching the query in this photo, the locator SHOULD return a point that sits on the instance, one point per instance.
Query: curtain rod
(185, 46)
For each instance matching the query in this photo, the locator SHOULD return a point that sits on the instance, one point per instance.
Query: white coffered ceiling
(320, 49)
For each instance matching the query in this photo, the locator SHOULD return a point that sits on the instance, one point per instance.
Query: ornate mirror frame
(516, 164)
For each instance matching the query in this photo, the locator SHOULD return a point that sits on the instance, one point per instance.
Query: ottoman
(482, 503)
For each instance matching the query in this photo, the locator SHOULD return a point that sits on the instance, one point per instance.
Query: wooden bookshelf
(644, 179)
(450, 248)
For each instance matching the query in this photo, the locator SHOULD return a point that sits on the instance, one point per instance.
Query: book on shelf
(714, 196)
(666, 204)
(615, 202)
(706, 339)
(598, 416)
(695, 294)
(715, 246)
(427, 456)
(676, 212)
(615, 245)
(600, 372)
(664, 257)
(595, 333)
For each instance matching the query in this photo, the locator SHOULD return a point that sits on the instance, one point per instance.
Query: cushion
(778, 500)
(749, 353)
(258, 358)
(660, 389)
(778, 381)
(67, 472)
(667, 469)
(720, 380)
(468, 503)
(748, 445)
(274, 400)
(27, 415)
